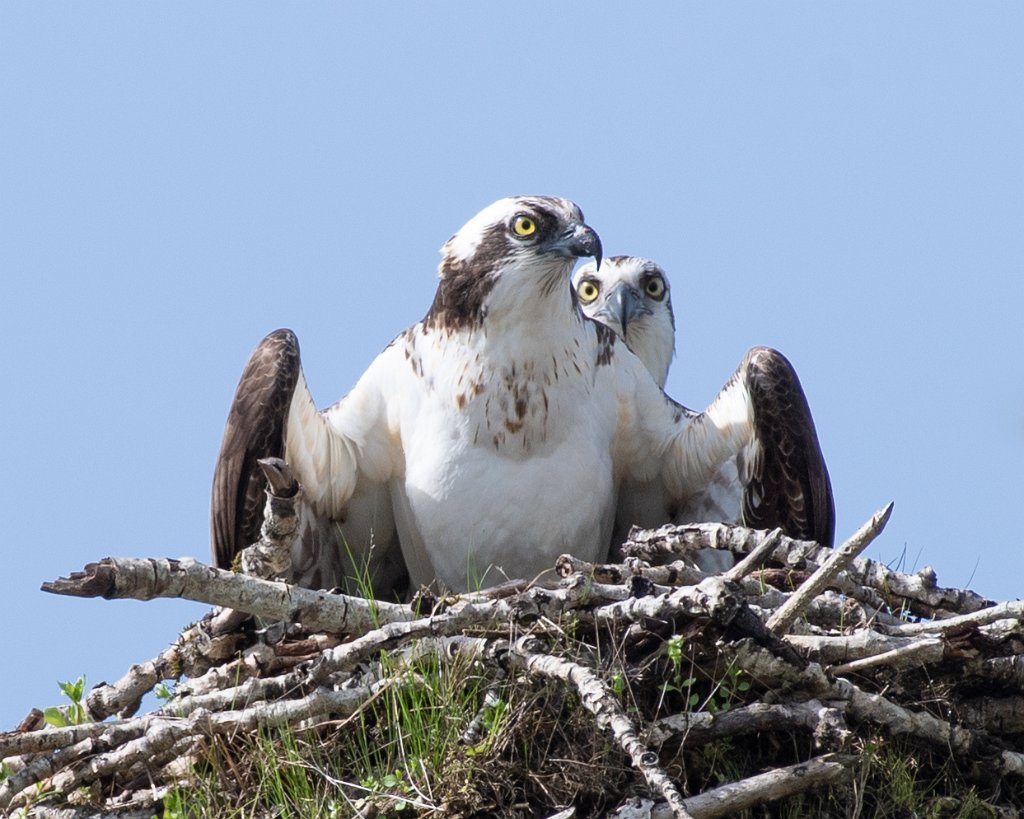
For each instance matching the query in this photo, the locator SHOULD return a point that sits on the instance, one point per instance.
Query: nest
(643, 688)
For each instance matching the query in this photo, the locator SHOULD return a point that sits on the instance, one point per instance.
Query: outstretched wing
(273, 415)
(255, 429)
(788, 484)
(752, 457)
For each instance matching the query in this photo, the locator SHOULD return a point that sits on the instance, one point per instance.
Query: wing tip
(774, 385)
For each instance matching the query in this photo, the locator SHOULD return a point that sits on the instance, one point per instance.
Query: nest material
(624, 689)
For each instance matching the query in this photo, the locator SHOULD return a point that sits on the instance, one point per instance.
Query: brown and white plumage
(272, 405)
(486, 439)
(779, 477)
(393, 453)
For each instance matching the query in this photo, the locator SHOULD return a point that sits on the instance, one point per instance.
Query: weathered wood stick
(160, 732)
(920, 590)
(144, 579)
(917, 653)
(757, 557)
(700, 727)
(1013, 610)
(677, 573)
(270, 557)
(782, 620)
(834, 649)
(864, 707)
(602, 703)
(728, 800)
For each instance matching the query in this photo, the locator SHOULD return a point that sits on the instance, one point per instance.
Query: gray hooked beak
(624, 304)
(582, 241)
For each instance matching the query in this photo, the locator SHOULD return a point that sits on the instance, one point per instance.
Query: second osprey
(778, 479)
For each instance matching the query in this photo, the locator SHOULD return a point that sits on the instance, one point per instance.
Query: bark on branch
(144, 579)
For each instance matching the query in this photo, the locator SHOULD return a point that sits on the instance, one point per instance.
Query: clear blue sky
(842, 181)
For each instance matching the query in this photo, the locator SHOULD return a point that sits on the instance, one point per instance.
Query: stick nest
(635, 689)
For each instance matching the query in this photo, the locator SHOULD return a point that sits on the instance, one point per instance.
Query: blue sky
(842, 181)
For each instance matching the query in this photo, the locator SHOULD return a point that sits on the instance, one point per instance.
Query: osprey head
(528, 244)
(631, 296)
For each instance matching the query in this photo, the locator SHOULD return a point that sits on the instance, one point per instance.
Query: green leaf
(55, 717)
(73, 690)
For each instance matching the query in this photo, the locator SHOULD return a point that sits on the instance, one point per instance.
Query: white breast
(506, 467)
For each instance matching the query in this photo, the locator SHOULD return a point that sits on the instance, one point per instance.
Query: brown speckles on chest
(409, 350)
(467, 392)
(469, 386)
(509, 409)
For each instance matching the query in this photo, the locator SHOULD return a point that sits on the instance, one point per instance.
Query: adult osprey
(491, 437)
(779, 478)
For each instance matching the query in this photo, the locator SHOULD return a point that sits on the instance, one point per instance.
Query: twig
(873, 708)
(144, 579)
(600, 701)
(161, 733)
(833, 649)
(918, 591)
(917, 653)
(757, 557)
(1004, 611)
(133, 812)
(700, 727)
(728, 800)
(678, 573)
(781, 621)
(270, 557)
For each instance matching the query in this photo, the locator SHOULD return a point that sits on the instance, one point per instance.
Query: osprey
(488, 438)
(778, 478)
(632, 296)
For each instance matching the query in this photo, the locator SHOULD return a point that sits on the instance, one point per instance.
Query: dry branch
(727, 800)
(919, 593)
(157, 735)
(1012, 611)
(866, 707)
(700, 727)
(599, 700)
(144, 579)
(757, 557)
(833, 650)
(270, 556)
(780, 622)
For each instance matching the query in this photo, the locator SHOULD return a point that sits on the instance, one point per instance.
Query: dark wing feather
(255, 429)
(790, 486)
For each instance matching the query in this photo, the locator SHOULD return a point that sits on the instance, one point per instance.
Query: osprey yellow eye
(524, 226)
(588, 291)
(655, 288)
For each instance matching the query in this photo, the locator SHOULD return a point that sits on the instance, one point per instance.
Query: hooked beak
(624, 304)
(581, 240)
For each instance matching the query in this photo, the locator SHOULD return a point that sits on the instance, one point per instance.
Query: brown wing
(255, 429)
(790, 486)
